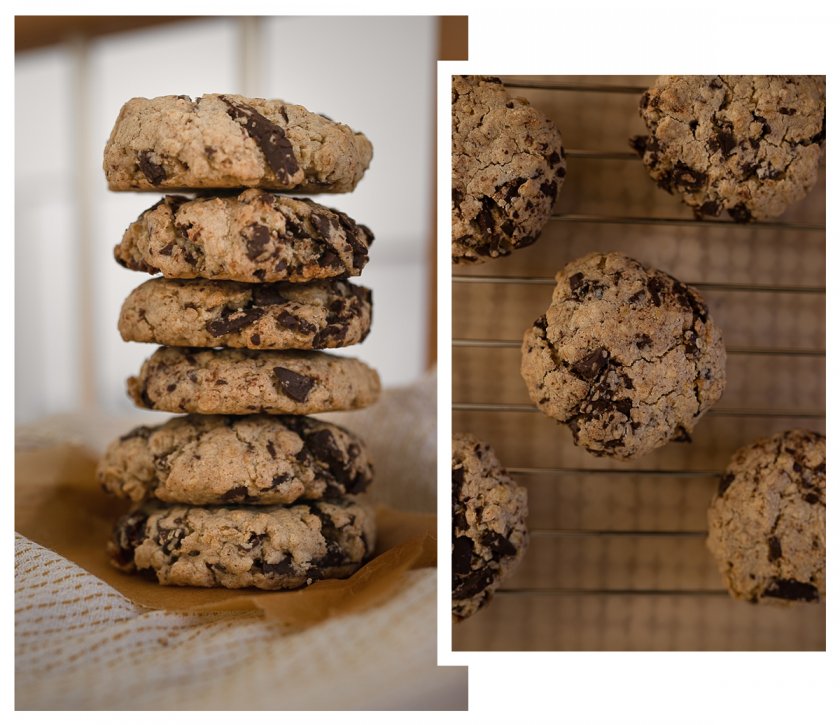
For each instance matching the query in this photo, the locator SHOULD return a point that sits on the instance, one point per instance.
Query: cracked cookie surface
(255, 459)
(742, 146)
(273, 547)
(220, 141)
(507, 169)
(240, 382)
(253, 236)
(626, 356)
(489, 535)
(767, 520)
(279, 316)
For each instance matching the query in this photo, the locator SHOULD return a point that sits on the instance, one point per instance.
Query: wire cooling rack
(617, 557)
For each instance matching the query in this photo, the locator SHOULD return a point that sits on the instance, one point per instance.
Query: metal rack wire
(545, 608)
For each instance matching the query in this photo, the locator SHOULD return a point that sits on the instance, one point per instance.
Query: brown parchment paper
(59, 505)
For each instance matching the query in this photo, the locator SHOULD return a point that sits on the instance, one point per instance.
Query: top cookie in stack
(253, 286)
(229, 142)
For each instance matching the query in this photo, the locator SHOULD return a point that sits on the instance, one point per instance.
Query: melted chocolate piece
(154, 173)
(292, 384)
(592, 365)
(792, 590)
(270, 138)
(233, 321)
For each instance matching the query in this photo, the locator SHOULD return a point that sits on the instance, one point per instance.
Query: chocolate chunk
(623, 406)
(472, 584)
(334, 556)
(774, 549)
(575, 281)
(260, 236)
(462, 551)
(642, 341)
(271, 139)
(498, 544)
(292, 322)
(329, 258)
(656, 287)
(554, 158)
(785, 111)
(811, 497)
(272, 451)
(710, 208)
(279, 568)
(334, 333)
(549, 189)
(168, 539)
(167, 250)
(592, 365)
(323, 446)
(725, 482)
(686, 178)
(294, 385)
(155, 173)
(792, 590)
(457, 482)
(690, 342)
(128, 535)
(237, 493)
(724, 137)
(322, 225)
(484, 218)
(457, 197)
(232, 321)
(740, 213)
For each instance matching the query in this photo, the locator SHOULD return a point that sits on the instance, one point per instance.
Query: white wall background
(375, 74)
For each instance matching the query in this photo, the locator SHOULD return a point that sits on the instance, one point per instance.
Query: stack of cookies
(245, 489)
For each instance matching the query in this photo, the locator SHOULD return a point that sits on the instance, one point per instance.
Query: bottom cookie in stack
(268, 547)
(240, 501)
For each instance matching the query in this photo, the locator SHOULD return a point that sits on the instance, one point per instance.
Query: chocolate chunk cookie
(767, 520)
(239, 382)
(254, 459)
(742, 146)
(253, 236)
(205, 313)
(507, 168)
(222, 141)
(626, 356)
(273, 547)
(489, 536)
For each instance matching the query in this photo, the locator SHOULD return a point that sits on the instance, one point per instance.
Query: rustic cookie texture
(489, 536)
(626, 356)
(507, 169)
(274, 547)
(279, 316)
(253, 236)
(767, 520)
(254, 459)
(741, 146)
(239, 382)
(222, 141)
